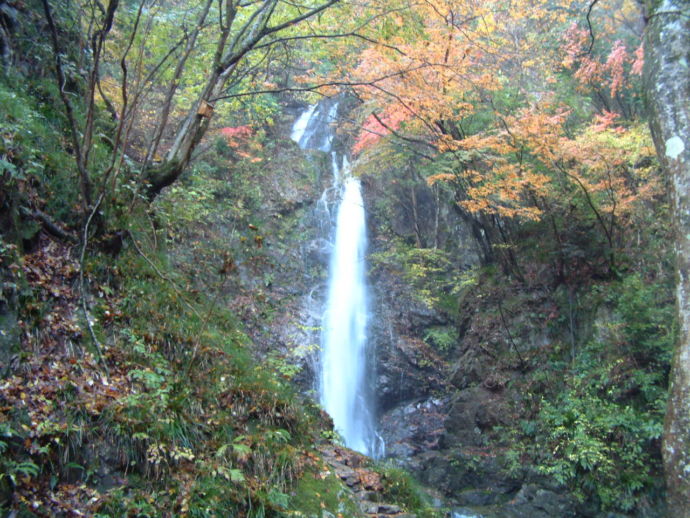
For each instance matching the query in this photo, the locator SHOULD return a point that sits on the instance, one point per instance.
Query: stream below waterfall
(345, 359)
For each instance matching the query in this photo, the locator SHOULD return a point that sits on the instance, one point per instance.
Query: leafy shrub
(401, 488)
(441, 337)
(602, 430)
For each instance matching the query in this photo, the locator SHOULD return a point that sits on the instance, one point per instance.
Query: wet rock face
(531, 501)
(472, 412)
(535, 502)
(470, 369)
(468, 477)
(405, 372)
(407, 368)
(409, 209)
(414, 428)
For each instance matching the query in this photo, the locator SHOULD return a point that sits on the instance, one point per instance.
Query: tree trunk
(228, 53)
(667, 82)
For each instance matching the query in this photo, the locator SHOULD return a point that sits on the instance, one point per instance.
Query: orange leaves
(236, 133)
(604, 121)
(515, 165)
(430, 65)
(448, 58)
(502, 189)
(536, 129)
(239, 138)
(480, 80)
(441, 177)
(370, 480)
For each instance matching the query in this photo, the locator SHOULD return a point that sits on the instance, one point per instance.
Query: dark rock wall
(437, 407)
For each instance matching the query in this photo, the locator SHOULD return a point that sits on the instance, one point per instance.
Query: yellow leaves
(489, 23)
(158, 453)
(488, 81)
(446, 143)
(111, 87)
(441, 177)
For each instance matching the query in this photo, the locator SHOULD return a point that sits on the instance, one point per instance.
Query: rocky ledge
(365, 484)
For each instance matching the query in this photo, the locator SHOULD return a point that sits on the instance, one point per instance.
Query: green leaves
(13, 470)
(442, 337)
(241, 450)
(150, 379)
(9, 167)
(597, 445)
(602, 428)
(236, 476)
(278, 499)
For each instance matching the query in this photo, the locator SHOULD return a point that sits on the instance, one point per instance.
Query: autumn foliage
(522, 117)
(485, 92)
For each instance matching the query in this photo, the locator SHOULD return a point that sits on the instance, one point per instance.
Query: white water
(343, 354)
(300, 125)
(331, 118)
(344, 360)
(313, 129)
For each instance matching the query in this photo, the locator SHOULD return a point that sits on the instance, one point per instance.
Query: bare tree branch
(85, 182)
(589, 24)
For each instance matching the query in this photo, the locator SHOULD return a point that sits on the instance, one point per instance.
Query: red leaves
(376, 127)
(639, 60)
(591, 70)
(614, 65)
(575, 40)
(602, 122)
(236, 133)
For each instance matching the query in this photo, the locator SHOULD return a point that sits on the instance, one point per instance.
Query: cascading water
(343, 383)
(344, 360)
(300, 126)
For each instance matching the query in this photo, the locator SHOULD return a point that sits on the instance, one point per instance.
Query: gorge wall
(433, 403)
(457, 340)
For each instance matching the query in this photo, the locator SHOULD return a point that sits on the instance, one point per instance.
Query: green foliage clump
(316, 492)
(602, 429)
(442, 337)
(31, 147)
(400, 487)
(429, 271)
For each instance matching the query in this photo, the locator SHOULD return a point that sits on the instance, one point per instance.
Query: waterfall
(301, 123)
(344, 365)
(343, 381)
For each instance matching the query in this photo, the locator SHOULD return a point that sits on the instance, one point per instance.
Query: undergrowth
(592, 417)
(178, 418)
(182, 421)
